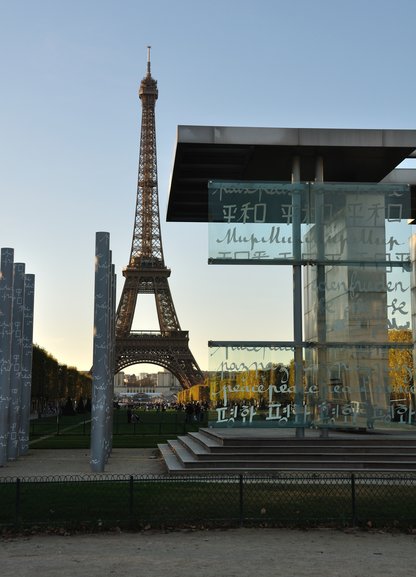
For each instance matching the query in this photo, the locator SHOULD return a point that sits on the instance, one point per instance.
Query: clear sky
(70, 125)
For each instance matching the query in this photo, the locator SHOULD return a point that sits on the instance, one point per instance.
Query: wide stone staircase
(241, 451)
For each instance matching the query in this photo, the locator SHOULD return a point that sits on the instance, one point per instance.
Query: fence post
(131, 501)
(353, 501)
(17, 508)
(241, 499)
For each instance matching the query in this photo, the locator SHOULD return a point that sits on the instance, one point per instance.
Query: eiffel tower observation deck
(146, 272)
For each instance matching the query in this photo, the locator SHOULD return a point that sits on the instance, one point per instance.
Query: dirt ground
(58, 462)
(213, 553)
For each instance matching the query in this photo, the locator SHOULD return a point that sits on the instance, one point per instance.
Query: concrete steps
(219, 451)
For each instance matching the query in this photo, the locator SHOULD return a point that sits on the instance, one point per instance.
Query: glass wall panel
(357, 387)
(360, 223)
(252, 385)
(358, 289)
(255, 221)
(363, 386)
(266, 222)
(351, 303)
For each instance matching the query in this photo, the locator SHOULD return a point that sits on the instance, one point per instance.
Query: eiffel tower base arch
(169, 350)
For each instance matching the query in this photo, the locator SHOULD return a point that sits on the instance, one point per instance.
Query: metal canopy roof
(206, 153)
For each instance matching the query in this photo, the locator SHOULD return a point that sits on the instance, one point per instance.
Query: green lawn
(73, 432)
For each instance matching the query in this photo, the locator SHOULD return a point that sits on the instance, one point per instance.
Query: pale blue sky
(70, 125)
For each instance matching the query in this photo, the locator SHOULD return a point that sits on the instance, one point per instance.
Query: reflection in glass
(353, 243)
(360, 387)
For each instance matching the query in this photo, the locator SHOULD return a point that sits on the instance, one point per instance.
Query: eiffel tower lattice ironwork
(146, 272)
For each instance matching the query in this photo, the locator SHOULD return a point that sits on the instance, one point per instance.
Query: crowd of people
(194, 410)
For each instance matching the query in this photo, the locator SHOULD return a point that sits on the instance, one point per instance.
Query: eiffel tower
(146, 272)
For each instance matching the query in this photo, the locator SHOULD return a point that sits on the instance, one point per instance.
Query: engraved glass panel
(251, 385)
(272, 223)
(356, 387)
(256, 221)
(358, 290)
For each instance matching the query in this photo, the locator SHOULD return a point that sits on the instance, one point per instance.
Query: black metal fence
(93, 503)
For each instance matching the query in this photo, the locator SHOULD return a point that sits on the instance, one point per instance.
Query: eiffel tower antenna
(148, 59)
(146, 272)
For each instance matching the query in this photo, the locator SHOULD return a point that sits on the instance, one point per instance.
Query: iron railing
(93, 502)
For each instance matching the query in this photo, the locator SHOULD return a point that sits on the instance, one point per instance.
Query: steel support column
(297, 301)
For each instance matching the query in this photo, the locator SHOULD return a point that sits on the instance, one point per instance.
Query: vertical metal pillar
(101, 357)
(111, 353)
(27, 356)
(6, 306)
(321, 297)
(108, 399)
(412, 246)
(297, 300)
(319, 169)
(16, 359)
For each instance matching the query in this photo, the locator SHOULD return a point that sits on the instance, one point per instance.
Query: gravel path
(231, 553)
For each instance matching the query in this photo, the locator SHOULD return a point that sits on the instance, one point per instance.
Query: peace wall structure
(333, 205)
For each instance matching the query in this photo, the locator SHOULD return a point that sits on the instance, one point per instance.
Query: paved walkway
(53, 462)
(56, 462)
(231, 553)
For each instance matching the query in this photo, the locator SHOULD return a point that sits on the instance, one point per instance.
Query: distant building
(143, 383)
(167, 384)
(119, 383)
